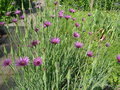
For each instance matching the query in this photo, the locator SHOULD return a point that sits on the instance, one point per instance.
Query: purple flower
(22, 61)
(36, 29)
(17, 12)
(22, 17)
(55, 40)
(78, 45)
(75, 34)
(47, 24)
(2, 23)
(83, 19)
(56, 2)
(35, 42)
(8, 13)
(89, 14)
(29, 8)
(118, 58)
(14, 20)
(13, 3)
(89, 53)
(72, 10)
(90, 33)
(7, 62)
(107, 44)
(52, 16)
(73, 19)
(37, 61)
(61, 14)
(37, 6)
(77, 24)
(67, 17)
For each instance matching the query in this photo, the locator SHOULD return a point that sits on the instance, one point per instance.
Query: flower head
(73, 19)
(37, 61)
(90, 33)
(55, 40)
(61, 14)
(17, 12)
(22, 17)
(67, 17)
(83, 19)
(47, 24)
(75, 34)
(72, 10)
(89, 14)
(2, 23)
(77, 24)
(8, 13)
(56, 2)
(35, 42)
(36, 29)
(78, 45)
(52, 16)
(22, 61)
(7, 62)
(118, 58)
(107, 44)
(14, 20)
(89, 53)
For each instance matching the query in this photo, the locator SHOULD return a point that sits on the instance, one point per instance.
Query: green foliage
(98, 4)
(23, 3)
(5, 6)
(64, 66)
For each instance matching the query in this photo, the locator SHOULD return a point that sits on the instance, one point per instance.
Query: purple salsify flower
(90, 54)
(73, 19)
(67, 17)
(37, 6)
(61, 14)
(22, 61)
(13, 3)
(29, 8)
(47, 24)
(17, 12)
(56, 2)
(7, 62)
(55, 40)
(118, 58)
(8, 13)
(37, 61)
(2, 23)
(36, 29)
(75, 34)
(52, 16)
(72, 10)
(107, 44)
(89, 14)
(77, 24)
(22, 17)
(14, 20)
(78, 45)
(83, 19)
(35, 42)
(90, 33)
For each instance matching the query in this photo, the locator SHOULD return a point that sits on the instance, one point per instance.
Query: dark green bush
(5, 6)
(99, 4)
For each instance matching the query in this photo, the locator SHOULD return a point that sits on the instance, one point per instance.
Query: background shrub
(99, 4)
